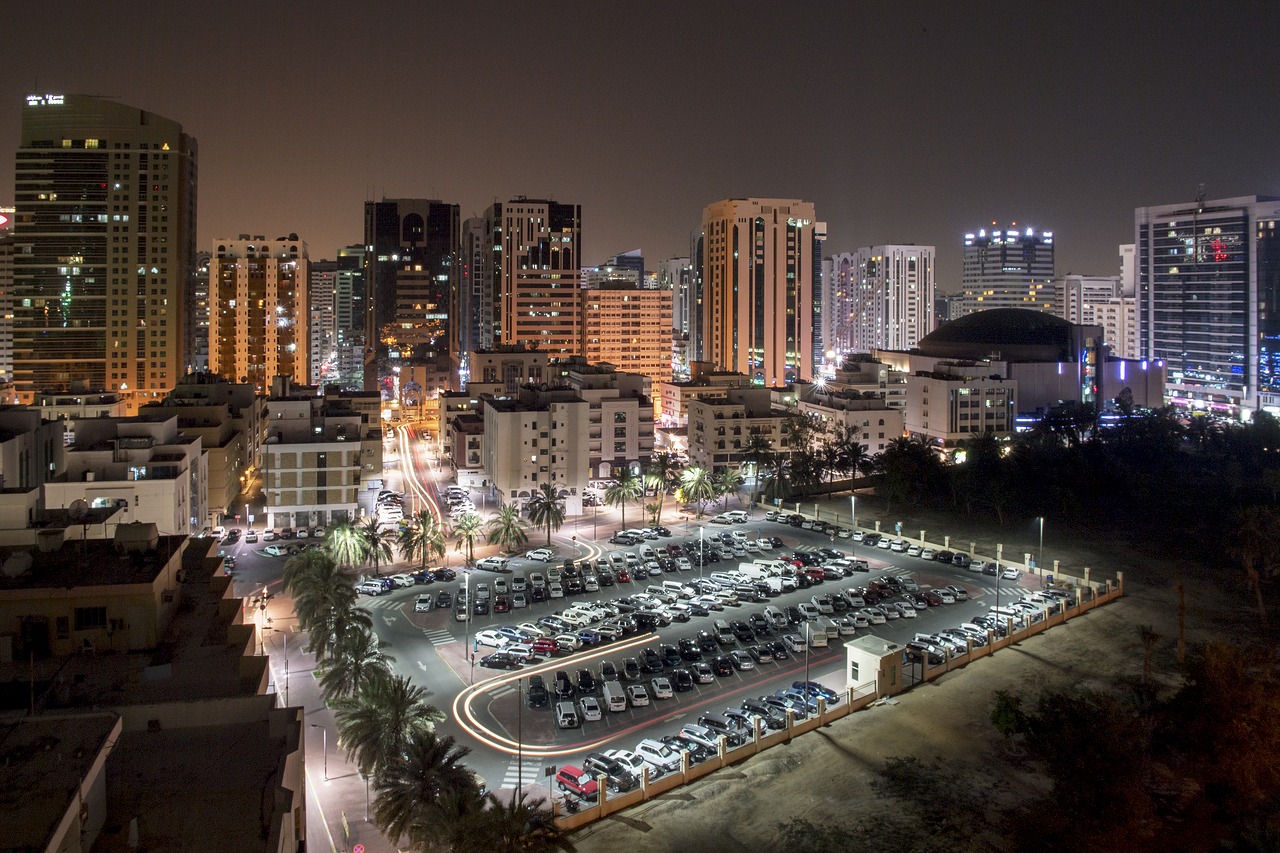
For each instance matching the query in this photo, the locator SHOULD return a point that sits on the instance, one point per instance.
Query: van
(818, 637)
(753, 571)
(647, 553)
(776, 616)
(724, 635)
(614, 697)
(825, 625)
(617, 559)
(567, 715)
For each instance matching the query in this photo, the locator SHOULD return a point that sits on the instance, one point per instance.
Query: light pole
(999, 572)
(1040, 556)
(466, 594)
(324, 746)
(702, 551)
(806, 659)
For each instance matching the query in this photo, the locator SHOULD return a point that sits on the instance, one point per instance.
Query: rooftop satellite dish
(79, 510)
(16, 565)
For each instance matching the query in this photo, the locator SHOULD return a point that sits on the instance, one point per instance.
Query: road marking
(422, 666)
(390, 620)
(502, 691)
(439, 638)
(524, 772)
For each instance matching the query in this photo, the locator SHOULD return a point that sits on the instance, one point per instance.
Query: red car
(624, 576)
(545, 646)
(575, 780)
(501, 604)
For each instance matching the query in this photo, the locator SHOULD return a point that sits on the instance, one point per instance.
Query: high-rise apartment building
(321, 328)
(104, 249)
(629, 327)
(412, 245)
(200, 312)
(1096, 300)
(1007, 268)
(757, 288)
(531, 276)
(470, 294)
(6, 305)
(259, 313)
(882, 297)
(1208, 290)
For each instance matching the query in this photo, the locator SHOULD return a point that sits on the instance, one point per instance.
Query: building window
(91, 618)
(62, 626)
(619, 447)
(619, 417)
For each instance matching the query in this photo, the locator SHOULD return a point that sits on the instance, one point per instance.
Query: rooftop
(91, 562)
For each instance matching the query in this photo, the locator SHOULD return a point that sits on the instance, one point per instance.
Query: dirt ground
(826, 775)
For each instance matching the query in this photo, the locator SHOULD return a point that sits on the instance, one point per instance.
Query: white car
(884, 543)
(683, 564)
(875, 617)
(590, 709)
(764, 544)
(1010, 574)
(913, 551)
(860, 619)
(632, 762)
(658, 755)
(898, 546)
(811, 612)
(403, 580)
(423, 604)
(661, 688)
(568, 640)
(545, 555)
(492, 638)
(906, 611)
(947, 596)
(637, 695)
(555, 590)
(846, 626)
(518, 600)
(928, 554)
(492, 563)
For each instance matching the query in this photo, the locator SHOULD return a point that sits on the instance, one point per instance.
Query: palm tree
(376, 725)
(514, 826)
(506, 530)
(1255, 541)
(660, 476)
(424, 537)
(344, 544)
(725, 482)
(323, 599)
(414, 793)
(777, 483)
(467, 528)
(547, 508)
(758, 449)
(377, 544)
(356, 662)
(626, 488)
(696, 486)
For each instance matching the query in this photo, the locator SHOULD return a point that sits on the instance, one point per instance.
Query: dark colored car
(481, 607)
(778, 649)
(563, 686)
(444, 599)
(681, 680)
(670, 655)
(500, 660)
(650, 661)
(689, 650)
(608, 671)
(586, 682)
(707, 641)
(631, 669)
(722, 666)
(538, 697)
(742, 631)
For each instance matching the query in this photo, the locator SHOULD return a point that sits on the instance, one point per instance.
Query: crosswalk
(503, 690)
(381, 603)
(526, 772)
(439, 638)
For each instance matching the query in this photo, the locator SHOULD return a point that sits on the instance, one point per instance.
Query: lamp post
(999, 571)
(702, 551)
(324, 746)
(466, 594)
(1040, 556)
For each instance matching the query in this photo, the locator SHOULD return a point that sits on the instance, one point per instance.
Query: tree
(323, 599)
(777, 483)
(1255, 541)
(506, 530)
(513, 826)
(356, 662)
(696, 487)
(546, 508)
(410, 792)
(757, 451)
(626, 488)
(423, 537)
(345, 544)
(661, 476)
(655, 513)
(377, 544)
(726, 483)
(376, 725)
(467, 529)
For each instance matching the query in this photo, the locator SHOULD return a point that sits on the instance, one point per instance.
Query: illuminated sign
(4, 220)
(44, 100)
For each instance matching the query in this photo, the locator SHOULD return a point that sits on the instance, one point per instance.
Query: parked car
(544, 555)
(575, 780)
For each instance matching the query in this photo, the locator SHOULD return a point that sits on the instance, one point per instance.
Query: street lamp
(1040, 556)
(999, 571)
(324, 746)
(702, 551)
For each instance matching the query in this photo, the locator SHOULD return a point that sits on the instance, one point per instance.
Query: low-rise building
(143, 464)
(722, 427)
(704, 381)
(867, 417)
(73, 406)
(320, 453)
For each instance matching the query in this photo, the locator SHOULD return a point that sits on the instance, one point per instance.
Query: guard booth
(871, 662)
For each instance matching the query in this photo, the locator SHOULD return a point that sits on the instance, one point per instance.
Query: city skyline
(644, 125)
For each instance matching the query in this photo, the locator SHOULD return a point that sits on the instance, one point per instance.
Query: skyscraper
(757, 288)
(531, 276)
(1007, 268)
(6, 305)
(883, 297)
(1208, 290)
(413, 245)
(628, 326)
(104, 249)
(258, 314)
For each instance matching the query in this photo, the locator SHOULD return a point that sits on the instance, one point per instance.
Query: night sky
(901, 122)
